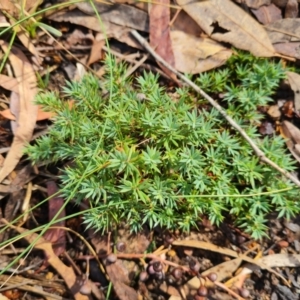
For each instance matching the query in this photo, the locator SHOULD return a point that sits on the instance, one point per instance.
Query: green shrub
(165, 159)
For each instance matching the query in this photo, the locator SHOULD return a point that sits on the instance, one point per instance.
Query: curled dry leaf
(26, 78)
(292, 134)
(195, 55)
(242, 31)
(294, 80)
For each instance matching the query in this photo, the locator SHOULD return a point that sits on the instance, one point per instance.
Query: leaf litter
(188, 51)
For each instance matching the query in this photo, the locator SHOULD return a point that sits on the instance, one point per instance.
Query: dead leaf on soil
(224, 251)
(274, 112)
(223, 271)
(119, 32)
(294, 80)
(26, 78)
(120, 14)
(185, 23)
(291, 9)
(288, 109)
(160, 39)
(254, 3)
(41, 114)
(135, 243)
(26, 40)
(285, 30)
(121, 287)
(65, 272)
(215, 17)
(10, 7)
(288, 49)
(195, 55)
(273, 261)
(267, 14)
(23, 176)
(56, 235)
(96, 53)
(9, 83)
(292, 134)
(122, 272)
(205, 246)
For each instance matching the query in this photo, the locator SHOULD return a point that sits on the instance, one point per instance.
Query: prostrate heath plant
(166, 160)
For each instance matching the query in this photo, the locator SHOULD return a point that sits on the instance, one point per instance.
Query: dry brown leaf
(254, 3)
(26, 78)
(267, 14)
(135, 243)
(292, 134)
(288, 49)
(10, 7)
(274, 112)
(224, 21)
(280, 3)
(223, 271)
(96, 51)
(23, 176)
(160, 39)
(291, 9)
(14, 107)
(285, 30)
(56, 235)
(41, 115)
(77, 36)
(294, 80)
(9, 83)
(195, 55)
(67, 273)
(6, 113)
(274, 261)
(119, 281)
(119, 32)
(15, 9)
(26, 40)
(288, 109)
(119, 14)
(206, 246)
(122, 272)
(185, 23)
(225, 251)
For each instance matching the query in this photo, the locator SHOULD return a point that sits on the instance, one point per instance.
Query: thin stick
(261, 155)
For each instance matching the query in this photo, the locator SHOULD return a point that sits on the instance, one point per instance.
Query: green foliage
(163, 161)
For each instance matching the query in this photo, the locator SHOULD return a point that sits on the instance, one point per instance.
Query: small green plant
(164, 161)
